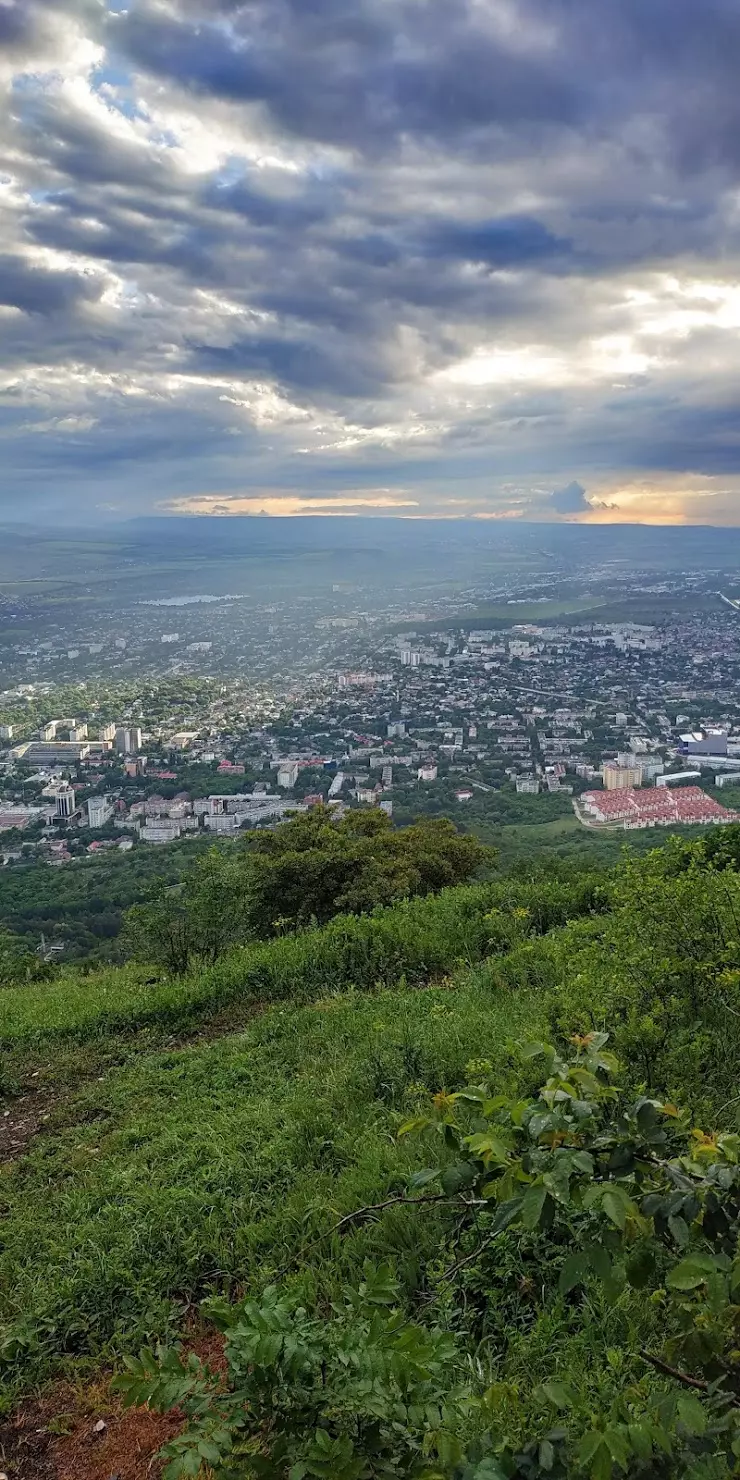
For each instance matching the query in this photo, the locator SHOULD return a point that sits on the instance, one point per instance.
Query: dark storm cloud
(348, 78)
(35, 291)
(505, 242)
(570, 500)
(15, 25)
(23, 22)
(353, 73)
(281, 212)
(298, 364)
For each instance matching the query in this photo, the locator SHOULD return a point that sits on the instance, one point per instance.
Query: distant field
(566, 839)
(505, 614)
(639, 608)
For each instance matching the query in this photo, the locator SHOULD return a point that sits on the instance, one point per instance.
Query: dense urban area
(552, 716)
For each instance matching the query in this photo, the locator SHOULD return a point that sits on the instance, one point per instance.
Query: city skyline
(479, 260)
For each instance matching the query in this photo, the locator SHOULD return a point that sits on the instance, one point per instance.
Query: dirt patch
(33, 1448)
(87, 1434)
(22, 1120)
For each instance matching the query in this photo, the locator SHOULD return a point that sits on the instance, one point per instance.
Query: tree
(306, 871)
(18, 963)
(196, 920)
(314, 867)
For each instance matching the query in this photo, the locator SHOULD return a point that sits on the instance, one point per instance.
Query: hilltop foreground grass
(214, 1166)
(231, 1129)
(175, 1172)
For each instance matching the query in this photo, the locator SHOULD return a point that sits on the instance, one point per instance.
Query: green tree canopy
(306, 871)
(315, 867)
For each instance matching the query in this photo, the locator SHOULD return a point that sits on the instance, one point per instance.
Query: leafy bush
(364, 1393)
(622, 1192)
(662, 970)
(303, 873)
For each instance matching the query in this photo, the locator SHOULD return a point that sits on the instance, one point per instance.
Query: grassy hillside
(173, 1139)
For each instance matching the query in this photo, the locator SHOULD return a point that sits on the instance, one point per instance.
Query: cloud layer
(402, 255)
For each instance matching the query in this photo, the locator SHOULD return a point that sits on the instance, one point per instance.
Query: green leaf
(595, 1456)
(691, 1272)
(573, 1272)
(692, 1415)
(209, 1452)
(614, 1208)
(584, 1162)
(487, 1469)
(618, 1446)
(455, 1178)
(508, 1213)
(680, 1230)
(489, 1147)
(600, 1263)
(533, 1205)
(546, 1455)
(449, 1450)
(557, 1393)
(640, 1439)
(535, 1050)
(423, 1177)
(413, 1127)
(641, 1267)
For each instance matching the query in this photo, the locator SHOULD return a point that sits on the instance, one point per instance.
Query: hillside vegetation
(457, 1178)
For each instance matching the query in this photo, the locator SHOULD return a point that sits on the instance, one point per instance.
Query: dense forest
(425, 1167)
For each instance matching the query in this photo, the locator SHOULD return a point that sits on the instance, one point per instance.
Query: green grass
(169, 1170)
(413, 941)
(165, 1171)
(217, 1165)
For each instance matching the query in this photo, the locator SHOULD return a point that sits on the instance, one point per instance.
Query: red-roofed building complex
(659, 808)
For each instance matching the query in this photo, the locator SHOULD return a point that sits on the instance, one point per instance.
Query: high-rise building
(128, 739)
(6, 732)
(620, 778)
(99, 811)
(107, 732)
(48, 731)
(78, 732)
(287, 774)
(65, 801)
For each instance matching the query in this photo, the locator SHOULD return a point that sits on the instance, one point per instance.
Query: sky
(413, 258)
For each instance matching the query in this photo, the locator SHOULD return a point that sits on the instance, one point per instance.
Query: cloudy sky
(412, 257)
